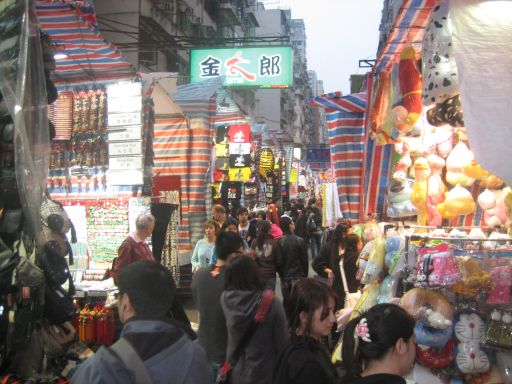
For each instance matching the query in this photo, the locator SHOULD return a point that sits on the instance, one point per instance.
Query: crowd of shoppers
(246, 334)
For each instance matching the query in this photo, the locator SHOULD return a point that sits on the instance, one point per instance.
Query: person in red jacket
(134, 247)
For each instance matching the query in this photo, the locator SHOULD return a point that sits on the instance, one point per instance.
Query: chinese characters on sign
(263, 67)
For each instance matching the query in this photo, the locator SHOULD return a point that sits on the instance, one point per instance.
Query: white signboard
(77, 216)
(132, 132)
(128, 177)
(125, 148)
(125, 162)
(124, 89)
(127, 118)
(124, 104)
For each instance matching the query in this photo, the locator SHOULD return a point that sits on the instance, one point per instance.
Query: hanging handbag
(351, 299)
(259, 317)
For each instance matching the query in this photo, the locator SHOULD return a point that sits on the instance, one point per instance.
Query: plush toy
(419, 189)
(430, 336)
(444, 270)
(486, 200)
(434, 319)
(498, 214)
(492, 331)
(399, 202)
(371, 230)
(458, 202)
(447, 112)
(444, 140)
(501, 282)
(456, 161)
(491, 181)
(375, 263)
(408, 113)
(505, 340)
(507, 199)
(392, 247)
(474, 170)
(469, 329)
(440, 79)
(435, 357)
(387, 290)
(415, 300)
(472, 275)
(435, 190)
(363, 259)
(380, 105)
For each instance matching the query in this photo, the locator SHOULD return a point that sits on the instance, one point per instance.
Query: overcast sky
(339, 34)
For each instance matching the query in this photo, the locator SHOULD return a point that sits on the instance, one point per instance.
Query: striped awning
(408, 28)
(72, 28)
(345, 123)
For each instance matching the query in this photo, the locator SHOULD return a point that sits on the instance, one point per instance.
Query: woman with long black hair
(310, 314)
(342, 246)
(379, 346)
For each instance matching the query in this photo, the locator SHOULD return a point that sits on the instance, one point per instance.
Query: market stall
(449, 264)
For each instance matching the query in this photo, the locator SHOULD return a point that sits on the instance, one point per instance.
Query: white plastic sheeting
(482, 36)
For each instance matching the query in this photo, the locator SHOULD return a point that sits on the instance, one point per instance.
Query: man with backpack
(152, 348)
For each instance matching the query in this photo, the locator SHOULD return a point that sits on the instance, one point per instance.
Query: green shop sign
(260, 67)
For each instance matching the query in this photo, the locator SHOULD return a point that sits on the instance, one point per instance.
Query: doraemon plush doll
(469, 330)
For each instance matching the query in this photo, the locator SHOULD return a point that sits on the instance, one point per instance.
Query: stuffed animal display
(407, 114)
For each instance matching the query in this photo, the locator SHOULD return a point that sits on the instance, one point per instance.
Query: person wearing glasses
(152, 348)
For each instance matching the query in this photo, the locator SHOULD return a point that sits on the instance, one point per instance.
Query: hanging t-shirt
(216, 191)
(240, 174)
(222, 163)
(221, 150)
(239, 148)
(239, 133)
(240, 161)
(218, 175)
(231, 190)
(221, 134)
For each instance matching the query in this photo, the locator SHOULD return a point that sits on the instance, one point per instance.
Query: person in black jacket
(379, 346)
(310, 314)
(327, 264)
(295, 257)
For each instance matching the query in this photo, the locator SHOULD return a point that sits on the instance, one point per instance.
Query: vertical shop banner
(318, 157)
(288, 158)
